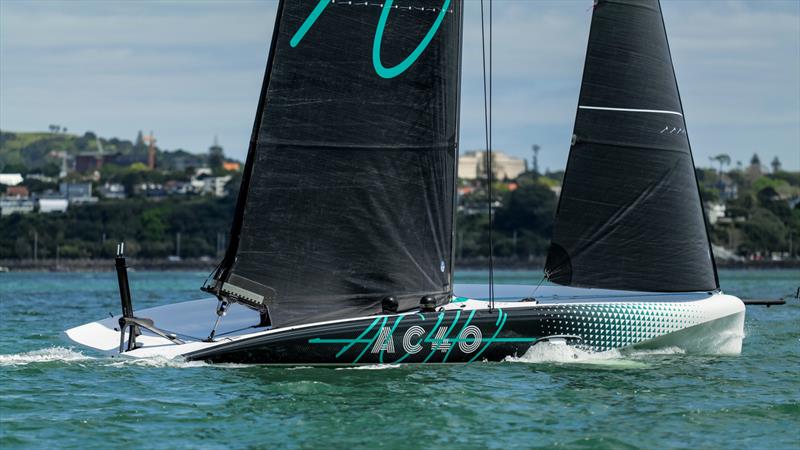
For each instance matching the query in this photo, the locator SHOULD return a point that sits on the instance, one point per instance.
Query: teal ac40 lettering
(380, 69)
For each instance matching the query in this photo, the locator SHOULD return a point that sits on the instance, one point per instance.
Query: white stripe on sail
(657, 111)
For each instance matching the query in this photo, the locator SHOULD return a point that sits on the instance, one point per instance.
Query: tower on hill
(216, 155)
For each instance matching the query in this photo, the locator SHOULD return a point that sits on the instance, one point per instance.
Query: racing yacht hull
(462, 331)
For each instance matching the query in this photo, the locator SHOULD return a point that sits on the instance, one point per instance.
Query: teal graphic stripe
(391, 72)
(429, 338)
(309, 22)
(380, 69)
(512, 340)
(455, 341)
(436, 343)
(501, 321)
(400, 359)
(391, 333)
(349, 342)
(366, 347)
(435, 327)
(492, 340)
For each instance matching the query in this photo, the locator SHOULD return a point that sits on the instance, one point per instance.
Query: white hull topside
(714, 323)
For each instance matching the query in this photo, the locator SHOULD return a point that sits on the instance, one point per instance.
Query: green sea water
(56, 395)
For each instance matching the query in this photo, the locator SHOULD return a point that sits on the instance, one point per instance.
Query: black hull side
(455, 336)
(460, 335)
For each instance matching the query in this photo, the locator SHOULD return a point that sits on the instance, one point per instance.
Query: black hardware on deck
(128, 322)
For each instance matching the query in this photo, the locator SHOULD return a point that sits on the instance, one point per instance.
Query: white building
(715, 212)
(197, 184)
(471, 165)
(53, 204)
(112, 190)
(215, 185)
(11, 179)
(77, 193)
(206, 183)
(11, 205)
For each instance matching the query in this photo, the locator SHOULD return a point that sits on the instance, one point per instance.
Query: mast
(456, 152)
(630, 215)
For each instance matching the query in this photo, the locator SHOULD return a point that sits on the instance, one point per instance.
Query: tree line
(150, 228)
(523, 223)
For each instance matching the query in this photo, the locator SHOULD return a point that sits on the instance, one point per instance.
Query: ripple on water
(548, 397)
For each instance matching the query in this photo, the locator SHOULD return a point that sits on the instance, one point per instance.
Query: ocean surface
(54, 394)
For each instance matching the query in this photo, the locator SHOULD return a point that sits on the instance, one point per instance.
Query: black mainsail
(630, 215)
(348, 190)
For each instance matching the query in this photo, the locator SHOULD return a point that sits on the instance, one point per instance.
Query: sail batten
(607, 108)
(350, 192)
(630, 215)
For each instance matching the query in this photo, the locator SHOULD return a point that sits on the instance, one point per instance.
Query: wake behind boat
(341, 246)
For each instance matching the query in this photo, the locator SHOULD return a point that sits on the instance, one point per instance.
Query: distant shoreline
(206, 265)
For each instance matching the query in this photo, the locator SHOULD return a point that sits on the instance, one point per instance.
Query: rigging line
(213, 272)
(487, 155)
(533, 294)
(491, 163)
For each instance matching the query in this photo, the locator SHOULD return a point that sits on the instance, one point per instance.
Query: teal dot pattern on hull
(607, 326)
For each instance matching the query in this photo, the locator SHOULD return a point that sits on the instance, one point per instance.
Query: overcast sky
(192, 70)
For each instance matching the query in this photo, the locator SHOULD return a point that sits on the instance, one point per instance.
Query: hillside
(42, 152)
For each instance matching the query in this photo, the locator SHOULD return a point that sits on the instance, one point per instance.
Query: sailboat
(341, 246)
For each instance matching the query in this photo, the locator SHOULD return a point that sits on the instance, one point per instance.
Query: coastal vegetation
(149, 229)
(753, 213)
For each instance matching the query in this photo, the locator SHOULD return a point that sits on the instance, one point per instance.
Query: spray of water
(68, 356)
(548, 352)
(158, 361)
(559, 353)
(44, 355)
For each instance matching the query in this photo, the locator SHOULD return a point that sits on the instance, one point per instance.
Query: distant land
(45, 152)
(67, 199)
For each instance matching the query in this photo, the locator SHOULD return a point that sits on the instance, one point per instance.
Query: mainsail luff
(630, 215)
(223, 271)
(350, 185)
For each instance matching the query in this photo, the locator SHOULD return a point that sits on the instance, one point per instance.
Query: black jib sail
(630, 215)
(348, 190)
